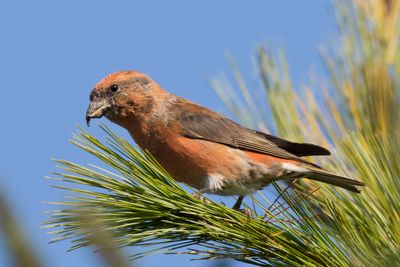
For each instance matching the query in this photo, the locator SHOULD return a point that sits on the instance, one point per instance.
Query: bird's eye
(114, 88)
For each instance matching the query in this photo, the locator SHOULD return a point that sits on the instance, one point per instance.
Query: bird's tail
(334, 179)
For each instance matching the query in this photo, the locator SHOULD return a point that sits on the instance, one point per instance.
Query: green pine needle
(141, 205)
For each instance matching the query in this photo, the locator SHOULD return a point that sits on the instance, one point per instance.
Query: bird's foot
(199, 195)
(238, 205)
(246, 212)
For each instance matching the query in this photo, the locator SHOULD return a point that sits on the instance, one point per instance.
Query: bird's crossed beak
(96, 109)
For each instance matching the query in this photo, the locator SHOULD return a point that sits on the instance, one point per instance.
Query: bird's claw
(199, 196)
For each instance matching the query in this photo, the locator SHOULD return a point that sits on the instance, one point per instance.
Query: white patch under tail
(290, 167)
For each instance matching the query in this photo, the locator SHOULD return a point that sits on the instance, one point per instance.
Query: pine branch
(141, 205)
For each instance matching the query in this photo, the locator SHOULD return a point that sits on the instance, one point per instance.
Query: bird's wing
(200, 123)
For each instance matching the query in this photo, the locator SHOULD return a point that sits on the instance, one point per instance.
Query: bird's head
(121, 95)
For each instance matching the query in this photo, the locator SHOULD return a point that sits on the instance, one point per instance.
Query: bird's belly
(244, 187)
(213, 168)
(193, 161)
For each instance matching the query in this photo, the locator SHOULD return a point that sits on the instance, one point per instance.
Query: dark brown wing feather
(200, 123)
(299, 149)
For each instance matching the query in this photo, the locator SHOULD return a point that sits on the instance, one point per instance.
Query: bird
(200, 147)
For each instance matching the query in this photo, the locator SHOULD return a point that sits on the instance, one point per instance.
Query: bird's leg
(238, 203)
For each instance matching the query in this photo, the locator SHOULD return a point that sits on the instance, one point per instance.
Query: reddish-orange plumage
(268, 159)
(198, 146)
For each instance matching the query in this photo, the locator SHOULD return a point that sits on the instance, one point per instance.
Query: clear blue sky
(53, 52)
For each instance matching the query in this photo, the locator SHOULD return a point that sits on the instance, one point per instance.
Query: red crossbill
(200, 147)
